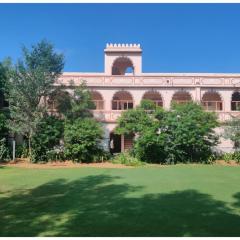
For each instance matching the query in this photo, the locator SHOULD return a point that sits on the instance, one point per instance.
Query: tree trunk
(29, 147)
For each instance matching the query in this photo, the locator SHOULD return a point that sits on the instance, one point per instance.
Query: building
(123, 85)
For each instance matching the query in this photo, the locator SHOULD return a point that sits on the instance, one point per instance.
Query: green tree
(232, 131)
(190, 134)
(77, 105)
(82, 139)
(30, 81)
(185, 133)
(137, 120)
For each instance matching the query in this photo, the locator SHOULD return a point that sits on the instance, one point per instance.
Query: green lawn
(169, 201)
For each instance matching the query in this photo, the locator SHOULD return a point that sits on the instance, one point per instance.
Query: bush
(183, 134)
(227, 157)
(48, 134)
(236, 156)
(22, 150)
(150, 148)
(82, 138)
(4, 151)
(56, 154)
(126, 159)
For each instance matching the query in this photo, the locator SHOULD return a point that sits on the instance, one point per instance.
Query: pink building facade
(123, 85)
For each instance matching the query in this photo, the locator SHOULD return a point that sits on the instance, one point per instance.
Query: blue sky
(174, 37)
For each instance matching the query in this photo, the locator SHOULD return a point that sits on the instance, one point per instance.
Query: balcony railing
(158, 103)
(212, 105)
(122, 104)
(235, 105)
(180, 102)
(99, 104)
(113, 115)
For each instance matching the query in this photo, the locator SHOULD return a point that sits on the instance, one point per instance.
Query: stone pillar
(227, 98)
(107, 97)
(137, 96)
(167, 98)
(198, 95)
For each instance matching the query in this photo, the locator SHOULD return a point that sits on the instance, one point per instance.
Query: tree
(77, 105)
(30, 81)
(136, 121)
(232, 131)
(82, 139)
(4, 113)
(185, 133)
(190, 134)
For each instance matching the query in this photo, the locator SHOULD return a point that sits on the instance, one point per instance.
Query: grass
(180, 200)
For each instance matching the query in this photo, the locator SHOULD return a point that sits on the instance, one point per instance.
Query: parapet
(122, 47)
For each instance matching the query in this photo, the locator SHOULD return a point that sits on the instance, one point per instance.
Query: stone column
(227, 98)
(167, 98)
(198, 95)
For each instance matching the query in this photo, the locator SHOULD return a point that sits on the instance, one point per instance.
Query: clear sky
(174, 37)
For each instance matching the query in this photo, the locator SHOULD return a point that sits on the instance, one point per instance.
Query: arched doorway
(235, 104)
(211, 101)
(181, 97)
(115, 143)
(120, 143)
(97, 100)
(122, 100)
(155, 97)
(122, 66)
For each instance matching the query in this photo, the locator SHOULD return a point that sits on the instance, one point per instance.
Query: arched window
(181, 97)
(155, 97)
(122, 66)
(212, 101)
(235, 104)
(97, 100)
(122, 100)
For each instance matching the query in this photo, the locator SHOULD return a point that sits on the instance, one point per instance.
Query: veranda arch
(212, 101)
(122, 100)
(181, 97)
(154, 96)
(97, 100)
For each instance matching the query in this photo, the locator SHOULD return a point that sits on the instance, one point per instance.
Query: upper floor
(123, 85)
(123, 67)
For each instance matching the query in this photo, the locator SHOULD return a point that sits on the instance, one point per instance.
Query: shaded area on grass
(96, 206)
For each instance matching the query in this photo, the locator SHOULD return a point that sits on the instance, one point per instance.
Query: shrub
(48, 134)
(236, 156)
(232, 131)
(126, 159)
(183, 134)
(22, 150)
(4, 151)
(82, 138)
(227, 157)
(149, 147)
(56, 154)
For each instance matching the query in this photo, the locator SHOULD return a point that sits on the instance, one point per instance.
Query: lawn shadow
(237, 198)
(97, 206)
